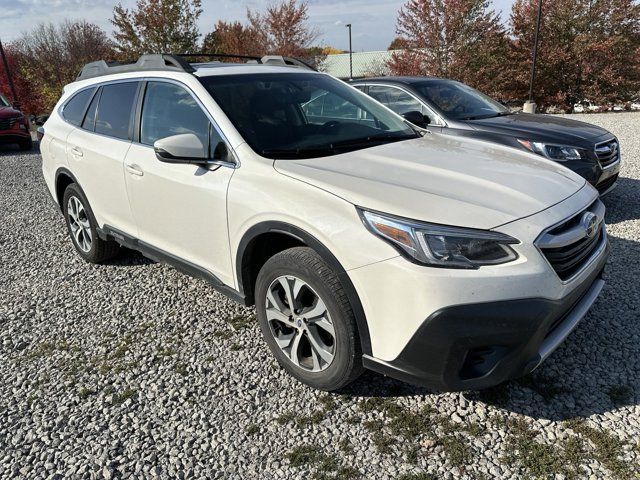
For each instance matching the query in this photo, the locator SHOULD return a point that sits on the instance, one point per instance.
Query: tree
(287, 28)
(460, 39)
(28, 99)
(156, 26)
(587, 49)
(50, 56)
(235, 38)
(281, 30)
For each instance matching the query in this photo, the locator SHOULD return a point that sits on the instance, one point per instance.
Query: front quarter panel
(258, 193)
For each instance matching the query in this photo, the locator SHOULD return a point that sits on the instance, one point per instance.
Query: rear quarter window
(73, 110)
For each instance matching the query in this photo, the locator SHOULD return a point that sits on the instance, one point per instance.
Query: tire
(82, 227)
(336, 359)
(26, 146)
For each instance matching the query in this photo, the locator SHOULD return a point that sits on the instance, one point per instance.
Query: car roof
(399, 79)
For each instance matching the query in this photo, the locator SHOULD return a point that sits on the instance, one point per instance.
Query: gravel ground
(132, 370)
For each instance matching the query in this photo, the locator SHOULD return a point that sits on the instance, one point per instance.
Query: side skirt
(183, 266)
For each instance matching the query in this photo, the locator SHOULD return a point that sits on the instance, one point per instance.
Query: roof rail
(145, 62)
(265, 60)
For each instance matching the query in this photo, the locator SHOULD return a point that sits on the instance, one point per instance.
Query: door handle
(77, 151)
(134, 170)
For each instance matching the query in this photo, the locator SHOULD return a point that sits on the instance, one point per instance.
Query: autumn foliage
(588, 49)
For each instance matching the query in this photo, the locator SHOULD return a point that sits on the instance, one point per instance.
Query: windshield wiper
(492, 115)
(382, 137)
(298, 152)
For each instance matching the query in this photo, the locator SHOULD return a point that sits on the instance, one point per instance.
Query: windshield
(3, 101)
(459, 101)
(303, 115)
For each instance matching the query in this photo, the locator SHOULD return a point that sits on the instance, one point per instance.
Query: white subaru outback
(363, 241)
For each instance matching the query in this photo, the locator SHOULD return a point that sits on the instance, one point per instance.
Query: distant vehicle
(14, 126)
(450, 107)
(635, 105)
(586, 106)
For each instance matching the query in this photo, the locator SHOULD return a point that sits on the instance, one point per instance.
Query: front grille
(7, 123)
(608, 152)
(568, 247)
(606, 184)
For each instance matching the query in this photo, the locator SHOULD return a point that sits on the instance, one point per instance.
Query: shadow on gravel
(128, 258)
(623, 203)
(11, 150)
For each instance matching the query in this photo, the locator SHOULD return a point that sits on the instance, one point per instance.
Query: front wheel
(307, 320)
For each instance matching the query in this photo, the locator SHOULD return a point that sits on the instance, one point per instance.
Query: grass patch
(607, 449)
(123, 396)
(223, 334)
(416, 476)
(240, 322)
(180, 368)
(541, 460)
(324, 466)
(457, 450)
(85, 393)
(234, 347)
(328, 402)
(252, 429)
(286, 418)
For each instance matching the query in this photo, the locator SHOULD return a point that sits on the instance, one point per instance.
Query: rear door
(96, 152)
(180, 209)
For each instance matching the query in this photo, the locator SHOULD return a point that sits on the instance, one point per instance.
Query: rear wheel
(307, 320)
(82, 227)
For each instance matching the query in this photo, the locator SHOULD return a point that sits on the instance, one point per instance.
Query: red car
(14, 126)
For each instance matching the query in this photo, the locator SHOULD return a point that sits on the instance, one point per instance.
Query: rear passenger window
(114, 109)
(73, 111)
(170, 110)
(89, 121)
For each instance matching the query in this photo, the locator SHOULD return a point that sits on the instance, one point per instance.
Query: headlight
(439, 245)
(559, 153)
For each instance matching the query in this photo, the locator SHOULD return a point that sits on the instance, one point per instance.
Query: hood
(9, 112)
(441, 179)
(542, 127)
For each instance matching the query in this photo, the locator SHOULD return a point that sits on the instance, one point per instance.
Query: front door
(180, 209)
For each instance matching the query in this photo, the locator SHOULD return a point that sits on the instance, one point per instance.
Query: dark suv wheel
(82, 226)
(307, 320)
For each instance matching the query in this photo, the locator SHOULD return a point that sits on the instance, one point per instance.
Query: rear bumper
(474, 346)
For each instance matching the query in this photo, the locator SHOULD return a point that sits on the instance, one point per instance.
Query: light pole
(348, 25)
(9, 77)
(530, 106)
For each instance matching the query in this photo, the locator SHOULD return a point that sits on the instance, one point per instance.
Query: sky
(373, 20)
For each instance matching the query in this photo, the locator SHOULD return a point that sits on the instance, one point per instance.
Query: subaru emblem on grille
(590, 223)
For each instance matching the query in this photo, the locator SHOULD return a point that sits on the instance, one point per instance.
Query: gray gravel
(132, 370)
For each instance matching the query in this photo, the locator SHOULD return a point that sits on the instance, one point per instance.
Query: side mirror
(183, 148)
(417, 118)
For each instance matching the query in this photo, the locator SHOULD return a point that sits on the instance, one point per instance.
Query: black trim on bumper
(474, 346)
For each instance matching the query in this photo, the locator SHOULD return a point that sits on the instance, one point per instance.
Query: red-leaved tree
(459, 39)
(587, 50)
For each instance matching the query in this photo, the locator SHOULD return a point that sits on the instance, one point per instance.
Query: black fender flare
(312, 242)
(64, 171)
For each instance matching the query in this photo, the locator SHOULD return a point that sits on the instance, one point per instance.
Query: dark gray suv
(450, 107)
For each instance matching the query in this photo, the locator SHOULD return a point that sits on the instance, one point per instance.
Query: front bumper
(478, 345)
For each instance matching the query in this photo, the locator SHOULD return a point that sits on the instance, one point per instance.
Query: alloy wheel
(300, 323)
(79, 223)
